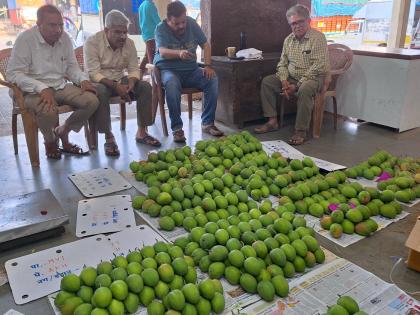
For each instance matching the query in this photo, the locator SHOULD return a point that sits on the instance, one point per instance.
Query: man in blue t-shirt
(177, 38)
(148, 20)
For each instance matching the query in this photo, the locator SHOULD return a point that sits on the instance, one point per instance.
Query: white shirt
(35, 65)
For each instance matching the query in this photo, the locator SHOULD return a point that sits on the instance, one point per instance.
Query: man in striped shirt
(301, 71)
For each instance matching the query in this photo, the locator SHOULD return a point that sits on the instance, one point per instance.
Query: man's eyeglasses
(297, 23)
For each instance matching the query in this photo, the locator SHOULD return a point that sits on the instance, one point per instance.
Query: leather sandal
(212, 130)
(52, 151)
(298, 138)
(148, 139)
(179, 136)
(74, 149)
(111, 149)
(265, 128)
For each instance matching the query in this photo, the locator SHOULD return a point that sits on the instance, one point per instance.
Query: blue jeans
(173, 81)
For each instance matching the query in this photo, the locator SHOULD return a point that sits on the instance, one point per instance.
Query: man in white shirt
(111, 62)
(42, 61)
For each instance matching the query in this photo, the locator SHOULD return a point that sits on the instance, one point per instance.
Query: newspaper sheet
(313, 292)
(51, 298)
(349, 239)
(372, 183)
(236, 298)
(170, 236)
(290, 152)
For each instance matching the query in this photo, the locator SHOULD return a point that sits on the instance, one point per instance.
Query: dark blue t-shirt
(165, 38)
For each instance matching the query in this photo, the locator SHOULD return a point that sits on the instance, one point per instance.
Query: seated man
(177, 38)
(108, 55)
(42, 60)
(302, 69)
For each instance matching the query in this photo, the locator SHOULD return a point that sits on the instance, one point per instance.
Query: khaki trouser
(149, 54)
(83, 103)
(143, 95)
(271, 87)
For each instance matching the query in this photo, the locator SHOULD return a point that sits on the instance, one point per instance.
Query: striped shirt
(304, 59)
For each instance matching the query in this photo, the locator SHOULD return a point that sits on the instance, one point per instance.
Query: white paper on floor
(290, 152)
(349, 239)
(104, 215)
(39, 274)
(128, 240)
(283, 148)
(99, 182)
(140, 186)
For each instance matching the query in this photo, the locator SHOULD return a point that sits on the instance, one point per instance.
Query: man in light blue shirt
(149, 19)
(177, 38)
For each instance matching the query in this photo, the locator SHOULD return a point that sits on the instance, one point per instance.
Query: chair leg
(155, 102)
(122, 116)
(91, 135)
(190, 102)
(31, 135)
(318, 113)
(281, 118)
(14, 133)
(161, 101)
(335, 112)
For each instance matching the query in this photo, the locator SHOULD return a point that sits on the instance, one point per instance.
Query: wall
(125, 6)
(263, 21)
(161, 7)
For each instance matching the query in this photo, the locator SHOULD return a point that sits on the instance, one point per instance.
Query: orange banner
(30, 3)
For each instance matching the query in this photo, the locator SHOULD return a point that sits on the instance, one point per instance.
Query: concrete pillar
(399, 21)
(161, 7)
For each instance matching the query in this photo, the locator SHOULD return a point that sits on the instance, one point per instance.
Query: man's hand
(185, 54)
(47, 101)
(122, 91)
(131, 83)
(285, 88)
(87, 86)
(288, 88)
(292, 89)
(209, 73)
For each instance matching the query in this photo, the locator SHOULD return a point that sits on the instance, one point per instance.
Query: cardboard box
(413, 243)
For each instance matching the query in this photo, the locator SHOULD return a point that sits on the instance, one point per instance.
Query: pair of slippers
(54, 151)
(298, 138)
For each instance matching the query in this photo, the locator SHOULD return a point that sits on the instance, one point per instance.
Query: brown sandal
(52, 151)
(179, 136)
(149, 140)
(266, 128)
(111, 149)
(298, 138)
(73, 149)
(212, 130)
